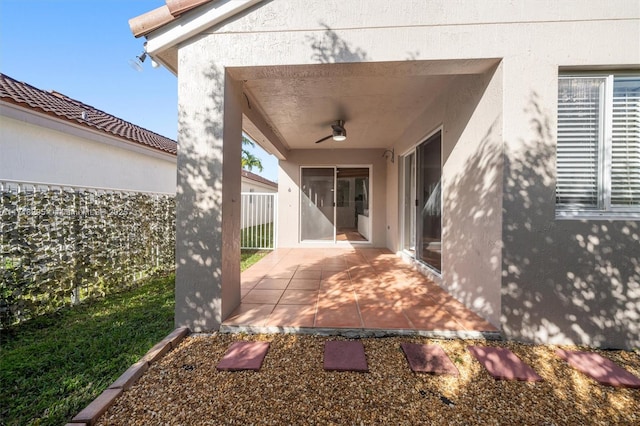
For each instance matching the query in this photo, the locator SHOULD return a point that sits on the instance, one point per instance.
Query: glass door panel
(429, 196)
(352, 204)
(409, 197)
(317, 208)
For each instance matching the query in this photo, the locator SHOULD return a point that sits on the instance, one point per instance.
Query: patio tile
(279, 274)
(299, 297)
(471, 321)
(272, 284)
(292, 316)
(308, 274)
(263, 296)
(375, 298)
(599, 368)
(309, 265)
(501, 363)
(243, 356)
(250, 314)
(334, 267)
(339, 315)
(431, 318)
(428, 359)
(331, 275)
(336, 286)
(383, 318)
(362, 287)
(340, 355)
(301, 284)
(336, 296)
(248, 284)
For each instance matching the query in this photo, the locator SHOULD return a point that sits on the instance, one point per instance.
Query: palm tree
(249, 161)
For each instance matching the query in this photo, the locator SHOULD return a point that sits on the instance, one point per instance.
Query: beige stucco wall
(208, 192)
(72, 156)
(469, 112)
(289, 191)
(249, 185)
(561, 281)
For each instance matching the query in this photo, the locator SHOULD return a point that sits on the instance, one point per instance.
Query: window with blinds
(598, 152)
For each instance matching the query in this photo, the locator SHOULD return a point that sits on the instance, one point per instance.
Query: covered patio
(352, 291)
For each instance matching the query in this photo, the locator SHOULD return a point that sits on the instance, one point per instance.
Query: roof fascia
(35, 118)
(193, 23)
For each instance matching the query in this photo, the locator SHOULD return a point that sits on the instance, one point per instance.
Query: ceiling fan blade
(324, 139)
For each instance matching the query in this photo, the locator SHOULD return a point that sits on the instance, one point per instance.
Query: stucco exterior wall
(469, 112)
(208, 192)
(289, 190)
(253, 186)
(563, 281)
(35, 153)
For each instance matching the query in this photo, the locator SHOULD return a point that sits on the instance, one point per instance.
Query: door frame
(335, 168)
(417, 226)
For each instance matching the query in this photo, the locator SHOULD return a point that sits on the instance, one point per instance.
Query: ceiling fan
(339, 133)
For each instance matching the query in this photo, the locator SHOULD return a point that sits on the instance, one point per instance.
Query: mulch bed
(291, 387)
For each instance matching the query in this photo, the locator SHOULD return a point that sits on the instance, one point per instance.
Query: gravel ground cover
(185, 388)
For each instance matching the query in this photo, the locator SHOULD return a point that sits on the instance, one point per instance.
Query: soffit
(378, 101)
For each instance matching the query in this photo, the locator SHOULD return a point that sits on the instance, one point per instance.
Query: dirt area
(185, 388)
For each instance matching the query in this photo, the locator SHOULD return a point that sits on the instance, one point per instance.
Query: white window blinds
(598, 152)
(625, 161)
(579, 135)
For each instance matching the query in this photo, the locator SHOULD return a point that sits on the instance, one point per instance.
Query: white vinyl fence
(258, 220)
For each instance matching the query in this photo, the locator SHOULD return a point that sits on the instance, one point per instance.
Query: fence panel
(60, 244)
(258, 220)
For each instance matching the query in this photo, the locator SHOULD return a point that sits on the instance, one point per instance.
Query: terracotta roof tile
(63, 107)
(143, 24)
(247, 174)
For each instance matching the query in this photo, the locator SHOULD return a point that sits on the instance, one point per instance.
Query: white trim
(60, 125)
(603, 210)
(192, 23)
(3, 183)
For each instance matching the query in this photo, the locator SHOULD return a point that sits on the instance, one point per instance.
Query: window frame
(603, 209)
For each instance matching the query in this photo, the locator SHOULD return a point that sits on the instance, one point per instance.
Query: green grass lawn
(51, 367)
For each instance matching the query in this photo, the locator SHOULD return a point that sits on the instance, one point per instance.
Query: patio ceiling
(378, 101)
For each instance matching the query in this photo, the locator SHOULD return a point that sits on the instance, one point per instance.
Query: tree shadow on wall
(198, 209)
(331, 49)
(563, 280)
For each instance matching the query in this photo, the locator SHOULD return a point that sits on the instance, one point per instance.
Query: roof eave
(171, 33)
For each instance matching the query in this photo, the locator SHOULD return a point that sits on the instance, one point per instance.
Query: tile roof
(247, 174)
(147, 22)
(62, 107)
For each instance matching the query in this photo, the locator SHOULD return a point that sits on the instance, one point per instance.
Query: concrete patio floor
(355, 292)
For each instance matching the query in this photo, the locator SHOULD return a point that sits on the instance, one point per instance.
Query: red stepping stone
(599, 368)
(244, 356)
(341, 355)
(501, 363)
(428, 359)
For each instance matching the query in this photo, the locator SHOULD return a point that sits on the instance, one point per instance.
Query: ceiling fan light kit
(338, 134)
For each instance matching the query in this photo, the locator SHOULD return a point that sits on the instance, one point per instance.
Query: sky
(82, 48)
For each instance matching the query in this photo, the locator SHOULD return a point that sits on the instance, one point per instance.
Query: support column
(207, 197)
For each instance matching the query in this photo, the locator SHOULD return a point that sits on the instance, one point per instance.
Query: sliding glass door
(409, 197)
(422, 202)
(317, 213)
(334, 204)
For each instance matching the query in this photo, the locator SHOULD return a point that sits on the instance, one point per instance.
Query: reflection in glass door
(429, 196)
(352, 204)
(409, 197)
(422, 202)
(317, 204)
